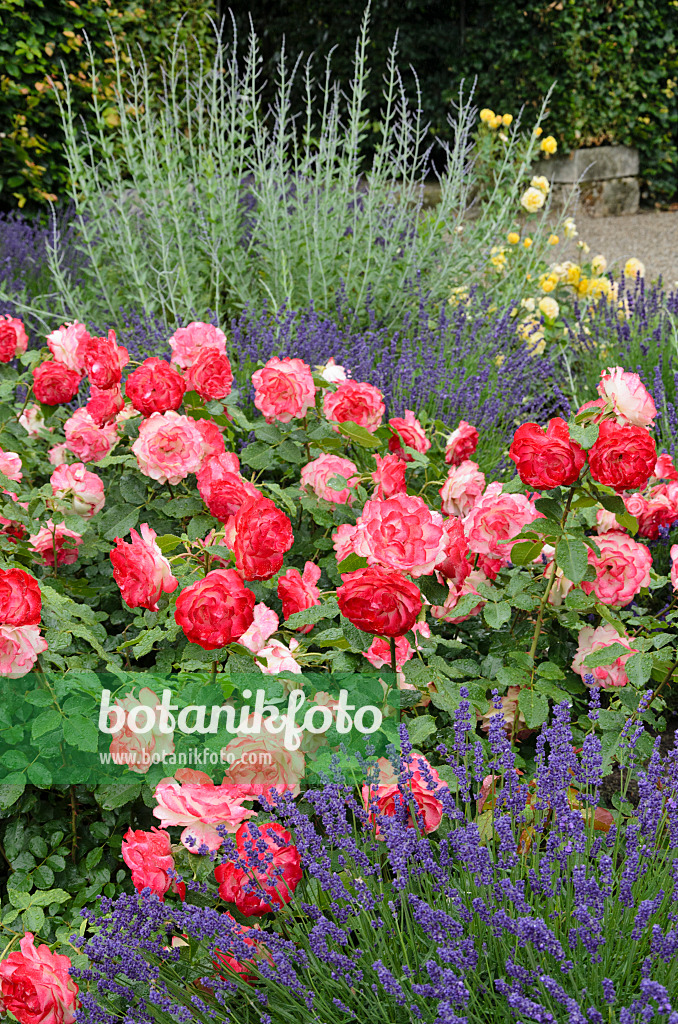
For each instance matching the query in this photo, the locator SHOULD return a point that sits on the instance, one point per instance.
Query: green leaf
(117, 794)
(43, 877)
(82, 733)
(258, 456)
(167, 542)
(639, 668)
(359, 640)
(332, 638)
(33, 919)
(46, 722)
(39, 775)
(497, 615)
(525, 551)
(584, 436)
(39, 698)
(38, 847)
(435, 592)
(309, 616)
(534, 706)
(118, 521)
(577, 600)
(420, 728)
(180, 508)
(550, 508)
(358, 435)
(606, 655)
(352, 563)
(549, 670)
(572, 558)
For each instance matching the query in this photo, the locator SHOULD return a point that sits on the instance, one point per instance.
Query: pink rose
(462, 489)
(105, 404)
(320, 476)
(56, 455)
(259, 762)
(385, 798)
(192, 799)
(623, 569)
(19, 649)
(187, 342)
(141, 571)
(354, 402)
(461, 443)
(279, 658)
(169, 447)
(13, 338)
(298, 592)
(408, 431)
(497, 518)
(283, 389)
(591, 640)
(221, 486)
(342, 540)
(67, 345)
(264, 624)
(606, 521)
(400, 533)
(659, 510)
(674, 566)
(87, 441)
(51, 538)
(149, 857)
(33, 421)
(453, 562)
(445, 612)
(389, 476)
(332, 372)
(213, 444)
(36, 985)
(139, 750)
(78, 490)
(628, 397)
(10, 465)
(664, 468)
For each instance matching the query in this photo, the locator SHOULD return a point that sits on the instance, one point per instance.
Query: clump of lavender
(24, 271)
(523, 912)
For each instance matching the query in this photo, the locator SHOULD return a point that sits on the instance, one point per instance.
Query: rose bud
(149, 857)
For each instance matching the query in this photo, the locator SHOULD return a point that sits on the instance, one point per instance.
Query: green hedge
(36, 38)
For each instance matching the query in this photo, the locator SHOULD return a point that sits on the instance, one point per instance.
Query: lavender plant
(533, 911)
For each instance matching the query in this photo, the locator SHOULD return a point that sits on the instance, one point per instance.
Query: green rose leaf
(420, 728)
(497, 615)
(82, 733)
(534, 706)
(606, 655)
(358, 435)
(584, 436)
(572, 558)
(639, 668)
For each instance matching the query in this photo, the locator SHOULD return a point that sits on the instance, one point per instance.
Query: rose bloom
(514, 720)
(216, 610)
(210, 375)
(169, 447)
(67, 345)
(298, 591)
(462, 489)
(319, 474)
(623, 457)
(606, 521)
(56, 455)
(267, 854)
(51, 536)
(278, 658)
(86, 440)
(623, 569)
(674, 566)
(141, 571)
(658, 511)
(33, 421)
(187, 342)
(630, 400)
(332, 372)
(54, 383)
(36, 986)
(283, 389)
(19, 649)
(461, 443)
(155, 387)
(389, 477)
(78, 489)
(379, 601)
(262, 536)
(20, 598)
(497, 518)
(453, 561)
(664, 468)
(532, 199)
(264, 624)
(259, 763)
(548, 459)
(355, 402)
(402, 533)
(634, 268)
(104, 360)
(408, 431)
(192, 800)
(221, 486)
(213, 443)
(591, 640)
(10, 465)
(445, 612)
(139, 750)
(13, 338)
(104, 404)
(342, 541)
(385, 798)
(148, 855)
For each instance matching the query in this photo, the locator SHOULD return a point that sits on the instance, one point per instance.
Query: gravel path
(649, 236)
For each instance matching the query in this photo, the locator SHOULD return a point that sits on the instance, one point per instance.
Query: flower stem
(547, 592)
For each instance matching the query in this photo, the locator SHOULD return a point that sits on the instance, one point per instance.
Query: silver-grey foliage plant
(201, 200)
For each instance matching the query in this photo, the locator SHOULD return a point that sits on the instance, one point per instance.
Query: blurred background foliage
(615, 62)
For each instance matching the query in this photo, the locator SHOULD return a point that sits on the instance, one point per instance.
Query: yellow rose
(506, 119)
(541, 182)
(553, 239)
(513, 237)
(583, 246)
(598, 264)
(535, 347)
(496, 121)
(582, 286)
(538, 131)
(548, 145)
(533, 199)
(549, 307)
(487, 115)
(548, 282)
(500, 360)
(497, 258)
(528, 304)
(634, 268)
(527, 242)
(599, 286)
(569, 228)
(529, 330)
(571, 272)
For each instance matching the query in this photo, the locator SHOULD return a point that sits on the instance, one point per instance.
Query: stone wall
(607, 177)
